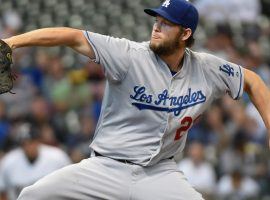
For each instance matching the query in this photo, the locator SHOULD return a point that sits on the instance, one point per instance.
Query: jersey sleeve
(112, 53)
(225, 77)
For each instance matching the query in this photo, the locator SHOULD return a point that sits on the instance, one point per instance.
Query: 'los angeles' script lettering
(147, 101)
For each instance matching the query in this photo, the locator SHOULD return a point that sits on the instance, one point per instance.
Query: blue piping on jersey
(240, 83)
(97, 57)
(176, 110)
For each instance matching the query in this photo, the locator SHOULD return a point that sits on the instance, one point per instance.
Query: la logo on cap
(166, 3)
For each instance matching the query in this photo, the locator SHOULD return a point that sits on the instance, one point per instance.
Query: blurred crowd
(59, 93)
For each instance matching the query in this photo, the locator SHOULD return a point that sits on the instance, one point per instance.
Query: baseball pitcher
(154, 92)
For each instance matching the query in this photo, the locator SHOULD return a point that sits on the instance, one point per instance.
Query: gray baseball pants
(99, 178)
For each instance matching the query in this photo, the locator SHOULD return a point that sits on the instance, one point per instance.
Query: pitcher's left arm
(259, 95)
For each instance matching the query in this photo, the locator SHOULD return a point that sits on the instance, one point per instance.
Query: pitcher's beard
(165, 48)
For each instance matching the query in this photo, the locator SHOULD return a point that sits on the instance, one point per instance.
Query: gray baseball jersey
(147, 111)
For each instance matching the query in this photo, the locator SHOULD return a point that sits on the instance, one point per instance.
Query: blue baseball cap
(180, 12)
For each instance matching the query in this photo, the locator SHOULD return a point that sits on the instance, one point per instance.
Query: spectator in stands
(198, 171)
(25, 92)
(237, 186)
(78, 143)
(262, 177)
(233, 11)
(4, 126)
(28, 163)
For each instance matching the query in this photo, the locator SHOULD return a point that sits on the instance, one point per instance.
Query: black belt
(121, 160)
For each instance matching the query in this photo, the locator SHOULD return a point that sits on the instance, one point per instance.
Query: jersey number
(185, 125)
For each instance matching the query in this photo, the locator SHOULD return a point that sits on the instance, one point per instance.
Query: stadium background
(61, 91)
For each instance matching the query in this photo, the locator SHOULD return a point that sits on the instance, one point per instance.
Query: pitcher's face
(166, 37)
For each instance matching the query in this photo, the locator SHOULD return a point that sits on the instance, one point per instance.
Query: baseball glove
(7, 77)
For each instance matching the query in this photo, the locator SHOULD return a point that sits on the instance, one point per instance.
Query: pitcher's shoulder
(204, 59)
